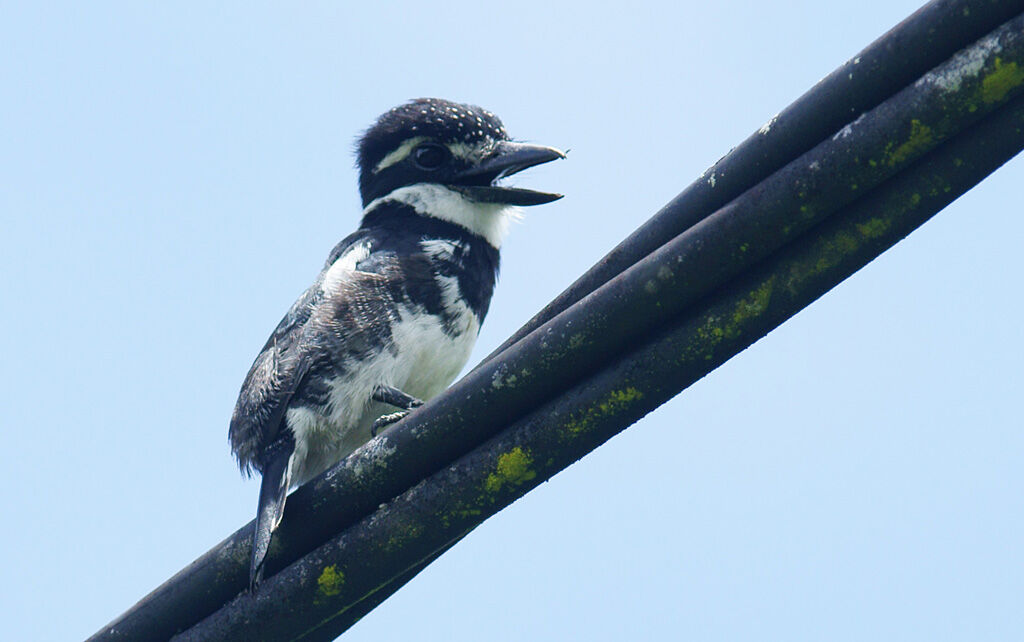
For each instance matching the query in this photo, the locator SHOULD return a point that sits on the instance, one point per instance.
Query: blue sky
(173, 176)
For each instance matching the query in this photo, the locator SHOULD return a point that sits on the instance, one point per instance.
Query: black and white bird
(392, 317)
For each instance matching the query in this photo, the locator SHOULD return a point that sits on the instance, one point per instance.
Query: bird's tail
(273, 491)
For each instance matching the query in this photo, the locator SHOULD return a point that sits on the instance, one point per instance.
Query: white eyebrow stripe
(463, 151)
(400, 154)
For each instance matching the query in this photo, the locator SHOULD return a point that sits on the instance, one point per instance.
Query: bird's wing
(279, 370)
(299, 313)
(274, 377)
(330, 332)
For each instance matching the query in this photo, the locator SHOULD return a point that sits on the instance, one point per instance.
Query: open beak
(508, 158)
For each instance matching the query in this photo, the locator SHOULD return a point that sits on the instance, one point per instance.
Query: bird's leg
(392, 397)
(395, 397)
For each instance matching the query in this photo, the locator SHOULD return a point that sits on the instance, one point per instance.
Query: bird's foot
(393, 397)
(387, 420)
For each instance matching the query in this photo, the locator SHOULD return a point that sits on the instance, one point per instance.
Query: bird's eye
(430, 156)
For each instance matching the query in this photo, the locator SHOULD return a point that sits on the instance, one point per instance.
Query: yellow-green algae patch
(460, 510)
(751, 306)
(876, 227)
(402, 536)
(611, 405)
(1002, 79)
(830, 250)
(513, 468)
(717, 328)
(920, 138)
(330, 581)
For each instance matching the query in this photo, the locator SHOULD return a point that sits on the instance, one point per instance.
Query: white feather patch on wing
(344, 266)
(441, 249)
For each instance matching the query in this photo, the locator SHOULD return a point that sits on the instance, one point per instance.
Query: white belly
(425, 361)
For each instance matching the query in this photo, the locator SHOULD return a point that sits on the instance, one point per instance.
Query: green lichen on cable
(460, 510)
(614, 403)
(831, 249)
(401, 535)
(1003, 78)
(513, 469)
(875, 227)
(920, 140)
(750, 306)
(716, 328)
(330, 581)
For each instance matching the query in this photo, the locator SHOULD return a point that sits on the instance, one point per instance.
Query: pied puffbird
(392, 316)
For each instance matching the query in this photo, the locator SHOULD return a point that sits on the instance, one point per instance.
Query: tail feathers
(273, 491)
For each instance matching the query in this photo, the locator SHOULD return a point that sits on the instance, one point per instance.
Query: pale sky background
(172, 177)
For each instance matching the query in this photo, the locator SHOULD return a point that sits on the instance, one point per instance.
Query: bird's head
(447, 159)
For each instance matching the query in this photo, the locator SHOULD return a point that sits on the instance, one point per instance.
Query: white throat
(489, 220)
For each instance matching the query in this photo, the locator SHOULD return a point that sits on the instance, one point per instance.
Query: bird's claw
(386, 420)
